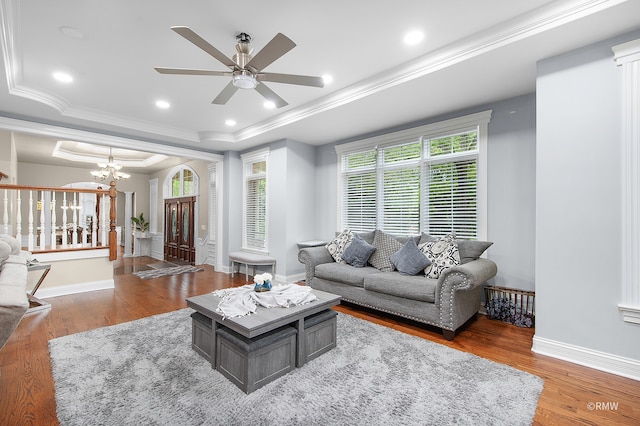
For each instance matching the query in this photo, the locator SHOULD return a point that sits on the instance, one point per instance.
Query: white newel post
(627, 57)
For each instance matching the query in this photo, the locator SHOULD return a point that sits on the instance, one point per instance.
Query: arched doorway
(180, 189)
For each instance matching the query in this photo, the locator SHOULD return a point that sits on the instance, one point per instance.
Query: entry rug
(155, 273)
(146, 373)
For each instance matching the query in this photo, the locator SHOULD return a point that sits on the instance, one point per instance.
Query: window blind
(255, 219)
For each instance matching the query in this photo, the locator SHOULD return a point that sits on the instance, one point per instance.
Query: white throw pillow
(338, 245)
(443, 254)
(13, 243)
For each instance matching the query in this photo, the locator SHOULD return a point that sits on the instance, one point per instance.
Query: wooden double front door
(179, 233)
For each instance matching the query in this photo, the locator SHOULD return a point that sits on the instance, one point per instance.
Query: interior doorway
(179, 221)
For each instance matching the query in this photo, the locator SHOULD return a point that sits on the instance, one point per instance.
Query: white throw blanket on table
(240, 301)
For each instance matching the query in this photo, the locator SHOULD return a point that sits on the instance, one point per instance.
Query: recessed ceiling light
(62, 77)
(413, 37)
(72, 32)
(230, 122)
(162, 104)
(327, 79)
(269, 104)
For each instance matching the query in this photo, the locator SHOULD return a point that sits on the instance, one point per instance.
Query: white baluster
(83, 224)
(42, 239)
(104, 221)
(30, 235)
(74, 238)
(19, 218)
(94, 225)
(64, 219)
(53, 220)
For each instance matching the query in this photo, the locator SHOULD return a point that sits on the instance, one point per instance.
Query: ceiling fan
(245, 69)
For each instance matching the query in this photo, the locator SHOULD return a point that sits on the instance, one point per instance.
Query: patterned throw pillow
(358, 252)
(385, 246)
(339, 245)
(443, 254)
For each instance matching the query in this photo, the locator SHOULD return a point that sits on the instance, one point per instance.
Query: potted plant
(141, 224)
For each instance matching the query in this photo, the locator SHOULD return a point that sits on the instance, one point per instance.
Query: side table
(36, 304)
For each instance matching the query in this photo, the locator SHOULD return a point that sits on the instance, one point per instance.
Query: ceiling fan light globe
(244, 80)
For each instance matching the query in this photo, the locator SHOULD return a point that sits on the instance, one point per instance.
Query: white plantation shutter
(359, 191)
(401, 189)
(423, 179)
(452, 199)
(255, 201)
(451, 185)
(256, 212)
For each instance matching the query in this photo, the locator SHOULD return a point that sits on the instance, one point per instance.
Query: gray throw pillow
(409, 260)
(471, 250)
(358, 252)
(385, 246)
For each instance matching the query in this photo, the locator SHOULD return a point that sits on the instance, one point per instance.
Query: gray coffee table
(260, 322)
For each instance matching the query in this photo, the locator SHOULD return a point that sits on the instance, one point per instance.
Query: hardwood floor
(572, 394)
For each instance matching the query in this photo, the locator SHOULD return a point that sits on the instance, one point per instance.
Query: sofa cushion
(385, 246)
(415, 287)
(344, 273)
(358, 252)
(409, 260)
(338, 245)
(442, 253)
(471, 250)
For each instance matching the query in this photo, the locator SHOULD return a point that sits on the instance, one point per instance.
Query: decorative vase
(266, 286)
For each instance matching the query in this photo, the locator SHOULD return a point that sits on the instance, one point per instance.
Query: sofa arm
(458, 291)
(311, 257)
(13, 295)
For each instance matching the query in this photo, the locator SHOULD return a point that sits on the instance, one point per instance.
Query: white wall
(578, 212)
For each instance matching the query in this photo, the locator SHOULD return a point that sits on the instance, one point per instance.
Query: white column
(153, 205)
(627, 57)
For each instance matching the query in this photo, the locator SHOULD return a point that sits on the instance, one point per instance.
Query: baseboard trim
(64, 290)
(609, 363)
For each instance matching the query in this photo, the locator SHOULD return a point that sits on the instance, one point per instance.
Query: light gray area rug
(155, 273)
(145, 373)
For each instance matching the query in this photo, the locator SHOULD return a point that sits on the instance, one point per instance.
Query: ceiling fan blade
(184, 71)
(270, 95)
(302, 80)
(225, 95)
(278, 46)
(194, 38)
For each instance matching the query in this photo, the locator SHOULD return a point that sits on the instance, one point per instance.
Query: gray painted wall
(511, 188)
(578, 232)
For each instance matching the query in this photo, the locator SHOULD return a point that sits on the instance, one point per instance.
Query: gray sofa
(447, 302)
(13, 281)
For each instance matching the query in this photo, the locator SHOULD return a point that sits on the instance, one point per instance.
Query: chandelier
(110, 168)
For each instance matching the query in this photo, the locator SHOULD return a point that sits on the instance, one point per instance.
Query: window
(255, 201)
(422, 179)
(183, 182)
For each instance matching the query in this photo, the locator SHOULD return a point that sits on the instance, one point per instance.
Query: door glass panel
(185, 223)
(174, 223)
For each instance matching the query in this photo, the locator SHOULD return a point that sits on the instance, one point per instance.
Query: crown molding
(527, 25)
(537, 21)
(66, 133)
